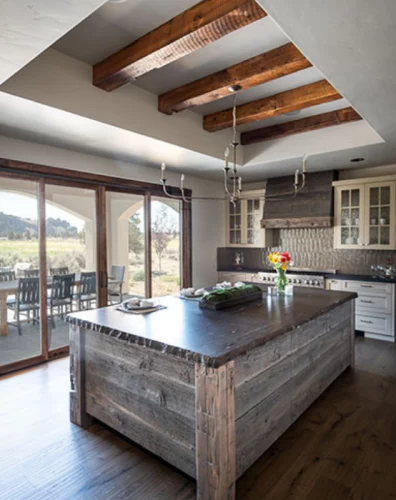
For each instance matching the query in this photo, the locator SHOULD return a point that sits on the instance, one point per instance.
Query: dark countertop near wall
(337, 276)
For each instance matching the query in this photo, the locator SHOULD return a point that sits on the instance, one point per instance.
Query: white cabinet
(243, 222)
(375, 306)
(365, 214)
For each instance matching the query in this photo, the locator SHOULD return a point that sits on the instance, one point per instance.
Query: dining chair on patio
(61, 297)
(27, 301)
(31, 273)
(115, 283)
(87, 290)
(7, 276)
(59, 271)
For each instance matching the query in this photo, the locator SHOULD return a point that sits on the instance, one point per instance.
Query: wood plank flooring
(343, 447)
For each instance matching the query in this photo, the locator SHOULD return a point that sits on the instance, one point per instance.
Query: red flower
(285, 257)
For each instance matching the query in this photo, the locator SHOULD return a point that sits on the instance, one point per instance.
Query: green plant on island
(234, 292)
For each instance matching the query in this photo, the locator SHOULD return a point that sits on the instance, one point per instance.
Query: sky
(26, 207)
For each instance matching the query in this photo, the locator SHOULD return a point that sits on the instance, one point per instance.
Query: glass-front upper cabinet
(243, 221)
(350, 217)
(380, 209)
(365, 215)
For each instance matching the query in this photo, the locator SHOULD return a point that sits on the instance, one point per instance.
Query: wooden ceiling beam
(194, 28)
(255, 71)
(285, 102)
(309, 124)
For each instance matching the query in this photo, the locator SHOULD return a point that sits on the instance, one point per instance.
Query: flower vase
(281, 281)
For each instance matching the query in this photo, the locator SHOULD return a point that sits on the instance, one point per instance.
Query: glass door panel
(350, 216)
(235, 225)
(20, 328)
(253, 225)
(379, 215)
(125, 246)
(165, 246)
(71, 256)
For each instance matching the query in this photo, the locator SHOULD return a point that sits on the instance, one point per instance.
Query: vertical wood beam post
(78, 414)
(215, 432)
(186, 241)
(101, 246)
(43, 269)
(147, 245)
(353, 337)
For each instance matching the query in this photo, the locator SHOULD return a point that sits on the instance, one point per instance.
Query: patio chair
(61, 297)
(115, 289)
(8, 276)
(31, 273)
(27, 301)
(87, 290)
(59, 271)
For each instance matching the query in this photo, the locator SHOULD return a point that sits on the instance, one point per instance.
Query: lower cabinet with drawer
(375, 306)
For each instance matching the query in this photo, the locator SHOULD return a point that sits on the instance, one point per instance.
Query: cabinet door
(253, 216)
(379, 217)
(349, 217)
(234, 226)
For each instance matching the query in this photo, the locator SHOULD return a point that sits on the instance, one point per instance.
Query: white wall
(208, 231)
(361, 172)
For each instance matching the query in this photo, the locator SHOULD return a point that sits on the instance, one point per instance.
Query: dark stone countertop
(211, 337)
(336, 276)
(361, 277)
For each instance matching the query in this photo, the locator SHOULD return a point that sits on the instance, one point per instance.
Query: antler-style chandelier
(232, 179)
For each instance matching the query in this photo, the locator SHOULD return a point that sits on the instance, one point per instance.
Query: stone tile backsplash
(311, 249)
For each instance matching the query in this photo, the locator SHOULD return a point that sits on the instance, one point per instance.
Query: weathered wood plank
(149, 360)
(263, 357)
(254, 390)
(319, 326)
(318, 375)
(215, 435)
(154, 387)
(309, 124)
(155, 413)
(139, 431)
(285, 102)
(260, 69)
(78, 413)
(259, 428)
(194, 28)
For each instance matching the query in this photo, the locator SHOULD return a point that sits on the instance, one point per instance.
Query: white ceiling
(28, 27)
(352, 44)
(115, 25)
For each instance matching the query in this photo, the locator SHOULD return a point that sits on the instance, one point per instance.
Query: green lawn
(29, 248)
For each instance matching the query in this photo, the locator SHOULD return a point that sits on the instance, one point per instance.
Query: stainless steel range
(299, 277)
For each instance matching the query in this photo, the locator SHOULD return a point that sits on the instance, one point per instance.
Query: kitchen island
(209, 391)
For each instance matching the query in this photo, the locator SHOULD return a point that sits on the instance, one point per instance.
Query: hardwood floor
(343, 447)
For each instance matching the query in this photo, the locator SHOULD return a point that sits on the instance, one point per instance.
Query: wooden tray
(231, 302)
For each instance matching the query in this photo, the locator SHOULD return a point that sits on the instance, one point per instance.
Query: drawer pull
(366, 286)
(365, 321)
(366, 301)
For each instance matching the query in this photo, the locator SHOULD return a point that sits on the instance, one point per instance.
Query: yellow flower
(284, 267)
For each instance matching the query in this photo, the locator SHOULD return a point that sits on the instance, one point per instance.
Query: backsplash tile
(310, 248)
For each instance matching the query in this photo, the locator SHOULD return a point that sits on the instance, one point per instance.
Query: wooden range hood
(312, 207)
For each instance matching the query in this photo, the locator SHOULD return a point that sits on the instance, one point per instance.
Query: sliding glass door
(126, 246)
(20, 324)
(71, 256)
(72, 241)
(165, 246)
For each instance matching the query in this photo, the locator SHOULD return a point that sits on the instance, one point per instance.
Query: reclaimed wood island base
(209, 391)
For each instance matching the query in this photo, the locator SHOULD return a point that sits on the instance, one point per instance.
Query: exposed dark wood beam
(194, 28)
(297, 127)
(260, 69)
(291, 100)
